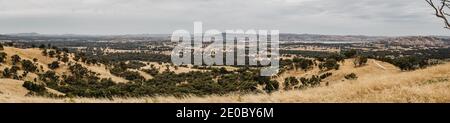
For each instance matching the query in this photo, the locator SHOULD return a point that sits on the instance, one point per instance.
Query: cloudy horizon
(334, 17)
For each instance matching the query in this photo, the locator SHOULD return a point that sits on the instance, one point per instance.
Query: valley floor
(430, 85)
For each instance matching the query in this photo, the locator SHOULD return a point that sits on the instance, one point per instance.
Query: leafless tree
(440, 10)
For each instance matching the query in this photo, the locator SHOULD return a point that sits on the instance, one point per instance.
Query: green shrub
(123, 72)
(6, 73)
(410, 63)
(351, 76)
(51, 53)
(360, 61)
(329, 64)
(15, 59)
(28, 66)
(290, 83)
(42, 46)
(44, 52)
(336, 56)
(131, 75)
(325, 75)
(135, 64)
(271, 86)
(302, 63)
(314, 81)
(350, 53)
(65, 59)
(2, 57)
(53, 65)
(152, 71)
(38, 88)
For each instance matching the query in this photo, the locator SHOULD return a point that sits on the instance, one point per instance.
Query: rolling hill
(377, 82)
(416, 41)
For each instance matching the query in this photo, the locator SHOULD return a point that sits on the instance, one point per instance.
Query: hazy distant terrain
(283, 37)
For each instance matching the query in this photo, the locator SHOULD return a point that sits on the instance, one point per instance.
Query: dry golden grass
(162, 67)
(12, 87)
(373, 67)
(28, 54)
(377, 82)
(104, 73)
(143, 74)
(31, 53)
(430, 85)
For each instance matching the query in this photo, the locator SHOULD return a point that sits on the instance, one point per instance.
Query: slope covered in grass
(428, 85)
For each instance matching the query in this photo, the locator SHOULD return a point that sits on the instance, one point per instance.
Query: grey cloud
(369, 17)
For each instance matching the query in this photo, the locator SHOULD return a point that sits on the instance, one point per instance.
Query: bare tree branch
(440, 10)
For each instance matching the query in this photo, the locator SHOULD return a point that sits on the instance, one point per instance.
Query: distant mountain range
(62, 37)
(316, 37)
(417, 41)
(404, 40)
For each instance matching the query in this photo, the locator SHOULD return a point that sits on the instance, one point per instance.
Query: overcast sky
(348, 17)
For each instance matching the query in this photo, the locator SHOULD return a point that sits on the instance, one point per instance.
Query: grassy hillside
(373, 67)
(35, 53)
(424, 85)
